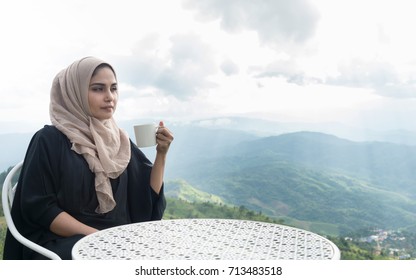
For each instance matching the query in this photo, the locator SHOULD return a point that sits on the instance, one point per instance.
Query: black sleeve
(34, 205)
(144, 203)
(38, 178)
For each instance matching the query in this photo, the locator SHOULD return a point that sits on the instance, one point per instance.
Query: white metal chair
(7, 200)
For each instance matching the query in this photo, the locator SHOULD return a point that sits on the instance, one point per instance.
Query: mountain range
(309, 179)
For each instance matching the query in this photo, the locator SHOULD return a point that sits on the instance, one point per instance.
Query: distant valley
(313, 180)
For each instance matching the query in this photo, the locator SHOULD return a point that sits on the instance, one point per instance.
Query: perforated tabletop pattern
(197, 239)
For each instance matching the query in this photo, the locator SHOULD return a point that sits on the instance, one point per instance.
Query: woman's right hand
(65, 225)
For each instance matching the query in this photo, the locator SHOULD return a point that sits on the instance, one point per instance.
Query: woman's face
(103, 94)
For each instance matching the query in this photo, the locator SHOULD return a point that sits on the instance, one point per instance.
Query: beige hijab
(105, 147)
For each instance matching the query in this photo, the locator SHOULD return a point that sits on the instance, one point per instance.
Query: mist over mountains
(13, 145)
(13, 148)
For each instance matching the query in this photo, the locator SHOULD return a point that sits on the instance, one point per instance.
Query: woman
(83, 173)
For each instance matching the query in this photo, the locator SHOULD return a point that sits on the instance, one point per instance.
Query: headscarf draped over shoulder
(105, 147)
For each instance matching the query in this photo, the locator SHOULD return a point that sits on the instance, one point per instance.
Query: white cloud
(275, 21)
(319, 60)
(229, 67)
(180, 69)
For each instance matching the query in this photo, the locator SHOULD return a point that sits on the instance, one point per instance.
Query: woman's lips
(108, 108)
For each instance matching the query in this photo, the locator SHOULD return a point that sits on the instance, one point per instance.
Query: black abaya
(54, 179)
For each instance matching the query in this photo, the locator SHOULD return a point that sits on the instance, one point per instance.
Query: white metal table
(196, 239)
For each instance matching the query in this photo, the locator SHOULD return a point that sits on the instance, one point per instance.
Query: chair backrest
(7, 201)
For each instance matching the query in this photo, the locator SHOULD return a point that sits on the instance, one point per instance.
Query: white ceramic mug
(145, 134)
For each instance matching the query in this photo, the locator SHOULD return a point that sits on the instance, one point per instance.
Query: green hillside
(182, 190)
(3, 229)
(308, 180)
(386, 165)
(177, 209)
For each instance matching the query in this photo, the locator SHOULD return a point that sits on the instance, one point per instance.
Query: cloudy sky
(346, 61)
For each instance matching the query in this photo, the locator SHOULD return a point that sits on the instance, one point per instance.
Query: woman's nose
(109, 95)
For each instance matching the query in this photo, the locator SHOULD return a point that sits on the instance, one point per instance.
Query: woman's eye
(97, 89)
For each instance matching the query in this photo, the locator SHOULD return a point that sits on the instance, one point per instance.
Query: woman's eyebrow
(97, 84)
(101, 84)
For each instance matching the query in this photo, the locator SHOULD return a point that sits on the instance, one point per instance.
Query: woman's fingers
(164, 138)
